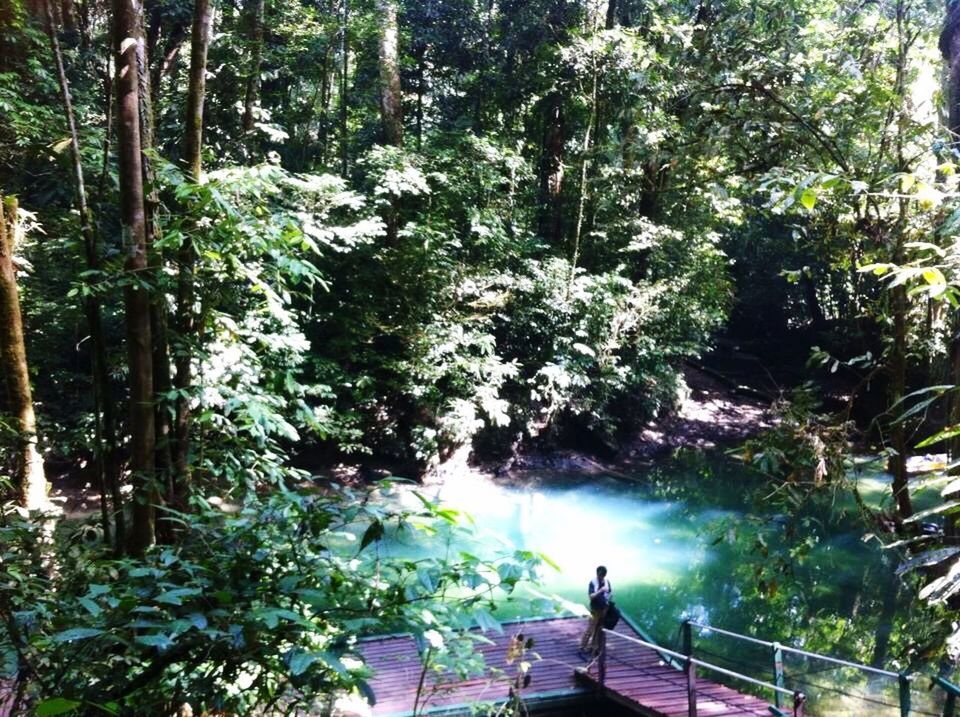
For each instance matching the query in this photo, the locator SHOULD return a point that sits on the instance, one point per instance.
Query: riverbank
(712, 413)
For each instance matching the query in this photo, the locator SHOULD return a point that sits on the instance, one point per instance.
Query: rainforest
(331, 323)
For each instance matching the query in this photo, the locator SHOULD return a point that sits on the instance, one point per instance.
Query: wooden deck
(638, 680)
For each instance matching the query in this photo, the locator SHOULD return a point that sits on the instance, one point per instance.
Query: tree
(950, 48)
(29, 480)
(391, 96)
(105, 443)
(186, 321)
(126, 28)
(254, 11)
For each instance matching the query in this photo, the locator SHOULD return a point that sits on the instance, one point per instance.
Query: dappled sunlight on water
(578, 528)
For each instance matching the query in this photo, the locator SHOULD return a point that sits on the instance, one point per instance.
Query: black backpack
(612, 617)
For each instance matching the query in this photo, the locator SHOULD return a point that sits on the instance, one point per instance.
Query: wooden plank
(637, 677)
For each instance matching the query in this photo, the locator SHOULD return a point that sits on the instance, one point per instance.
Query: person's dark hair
(602, 571)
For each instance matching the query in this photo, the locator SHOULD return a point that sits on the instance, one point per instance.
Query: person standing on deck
(599, 591)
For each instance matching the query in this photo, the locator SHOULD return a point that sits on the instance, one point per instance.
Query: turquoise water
(699, 538)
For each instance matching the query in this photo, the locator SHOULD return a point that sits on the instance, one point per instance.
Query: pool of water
(699, 538)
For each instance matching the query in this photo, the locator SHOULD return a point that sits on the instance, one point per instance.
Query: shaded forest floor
(715, 412)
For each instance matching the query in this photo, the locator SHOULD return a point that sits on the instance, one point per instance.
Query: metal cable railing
(777, 649)
(794, 650)
(801, 679)
(690, 665)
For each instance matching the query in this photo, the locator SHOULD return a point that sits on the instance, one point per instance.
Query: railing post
(691, 669)
(798, 700)
(777, 673)
(602, 666)
(687, 638)
(950, 704)
(904, 682)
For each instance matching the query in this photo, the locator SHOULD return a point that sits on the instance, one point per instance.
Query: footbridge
(536, 662)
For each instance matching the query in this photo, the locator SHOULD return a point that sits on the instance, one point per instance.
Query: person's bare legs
(589, 639)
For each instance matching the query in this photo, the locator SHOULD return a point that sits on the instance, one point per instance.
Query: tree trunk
(611, 15)
(323, 130)
(68, 12)
(104, 449)
(164, 63)
(898, 389)
(196, 93)
(391, 96)
(29, 480)
(136, 297)
(900, 302)
(255, 11)
(812, 300)
(551, 171)
(584, 169)
(421, 70)
(158, 306)
(950, 47)
(344, 60)
(186, 323)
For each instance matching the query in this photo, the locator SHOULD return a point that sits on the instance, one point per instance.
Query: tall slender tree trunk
(148, 94)
(136, 297)
(102, 383)
(900, 302)
(898, 389)
(324, 124)
(104, 451)
(391, 99)
(186, 321)
(165, 61)
(68, 12)
(255, 10)
(584, 170)
(552, 170)
(611, 21)
(29, 480)
(421, 71)
(391, 96)
(344, 67)
(950, 47)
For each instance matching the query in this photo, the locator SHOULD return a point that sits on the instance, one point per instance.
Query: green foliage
(804, 452)
(257, 606)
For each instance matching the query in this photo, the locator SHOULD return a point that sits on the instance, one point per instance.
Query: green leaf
(56, 706)
(948, 507)
(808, 198)
(373, 533)
(486, 621)
(158, 640)
(272, 616)
(928, 558)
(90, 606)
(198, 620)
(175, 597)
(299, 661)
(943, 435)
(76, 633)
